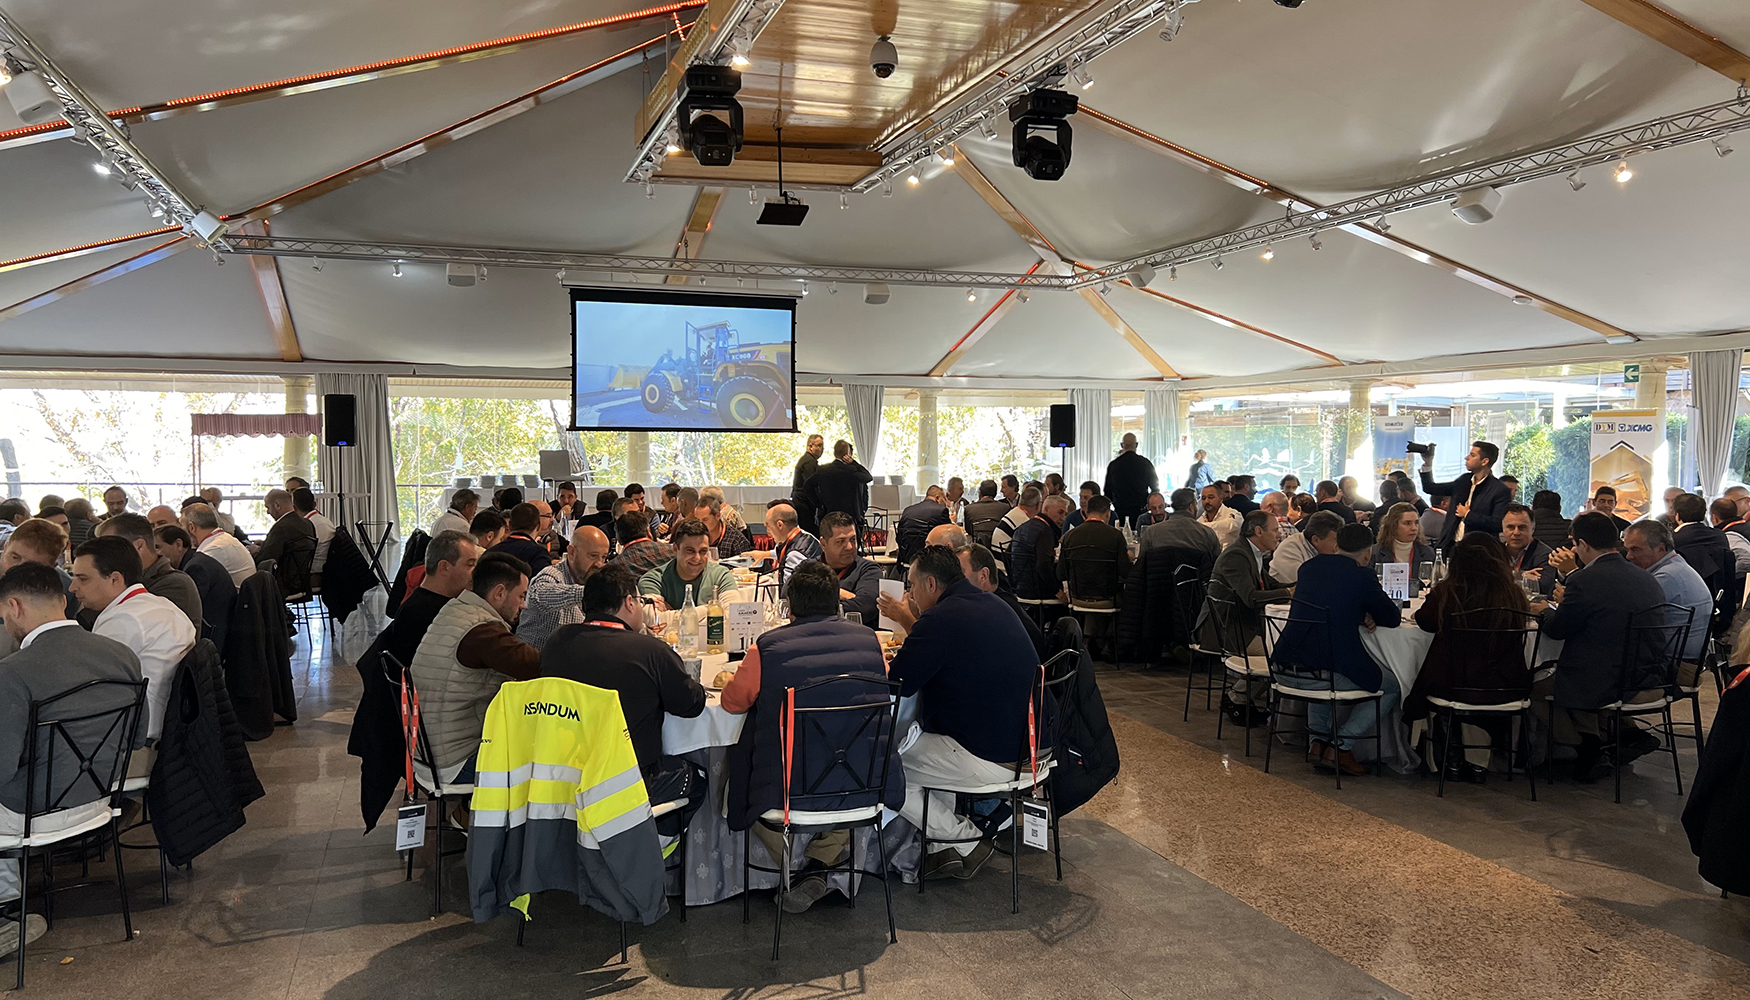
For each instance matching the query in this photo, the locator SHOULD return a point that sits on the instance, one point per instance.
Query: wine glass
(1425, 575)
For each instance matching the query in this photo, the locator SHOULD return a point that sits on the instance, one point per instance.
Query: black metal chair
(1025, 778)
(292, 572)
(1490, 634)
(811, 758)
(59, 807)
(1094, 587)
(1239, 664)
(428, 777)
(1652, 655)
(1189, 593)
(1321, 678)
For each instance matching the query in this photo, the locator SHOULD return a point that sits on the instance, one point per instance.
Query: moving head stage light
(1042, 133)
(712, 141)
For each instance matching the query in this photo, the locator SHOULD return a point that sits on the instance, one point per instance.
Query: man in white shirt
(106, 579)
(1317, 536)
(304, 502)
(202, 524)
(1219, 518)
(464, 504)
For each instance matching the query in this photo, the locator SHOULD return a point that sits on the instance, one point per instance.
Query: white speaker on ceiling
(876, 293)
(461, 275)
(1477, 205)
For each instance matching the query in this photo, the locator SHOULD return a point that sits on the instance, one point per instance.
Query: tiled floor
(1193, 875)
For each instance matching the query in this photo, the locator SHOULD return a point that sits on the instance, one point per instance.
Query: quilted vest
(453, 698)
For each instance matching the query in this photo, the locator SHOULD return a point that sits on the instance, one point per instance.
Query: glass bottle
(689, 625)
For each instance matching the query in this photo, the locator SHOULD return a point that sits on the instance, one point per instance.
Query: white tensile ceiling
(1335, 99)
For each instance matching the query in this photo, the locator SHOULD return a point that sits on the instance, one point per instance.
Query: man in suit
(1327, 494)
(1243, 489)
(1479, 500)
(55, 655)
(1339, 591)
(840, 485)
(806, 467)
(1525, 554)
(1242, 576)
(1705, 547)
(916, 521)
(1130, 478)
(1592, 613)
(285, 542)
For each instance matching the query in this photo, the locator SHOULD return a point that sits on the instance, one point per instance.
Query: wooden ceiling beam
(985, 324)
(68, 253)
(691, 242)
(1679, 35)
(1281, 196)
(273, 297)
(143, 259)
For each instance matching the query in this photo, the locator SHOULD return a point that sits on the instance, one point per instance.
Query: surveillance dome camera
(883, 57)
(1288, 3)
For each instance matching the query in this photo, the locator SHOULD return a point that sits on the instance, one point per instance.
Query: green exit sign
(1631, 373)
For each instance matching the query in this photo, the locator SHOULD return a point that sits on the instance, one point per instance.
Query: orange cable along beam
(357, 74)
(82, 249)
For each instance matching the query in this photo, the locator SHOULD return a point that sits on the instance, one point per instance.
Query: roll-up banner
(1390, 434)
(1626, 450)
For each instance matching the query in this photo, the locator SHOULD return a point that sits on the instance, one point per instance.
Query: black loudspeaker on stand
(1063, 432)
(339, 430)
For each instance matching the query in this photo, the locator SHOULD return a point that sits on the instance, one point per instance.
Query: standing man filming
(1479, 500)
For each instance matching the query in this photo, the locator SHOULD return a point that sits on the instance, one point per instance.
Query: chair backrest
(1229, 634)
(1494, 635)
(488, 482)
(1308, 625)
(1092, 574)
(1652, 651)
(1188, 591)
(293, 570)
(418, 741)
(65, 731)
(838, 751)
(885, 497)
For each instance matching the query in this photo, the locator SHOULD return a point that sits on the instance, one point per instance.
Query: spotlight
(1218, 264)
(1105, 287)
(947, 155)
(1522, 300)
(29, 94)
(1624, 173)
(1269, 252)
(712, 141)
(1314, 240)
(316, 265)
(913, 178)
(1082, 78)
(1141, 275)
(205, 226)
(1722, 149)
(805, 289)
(1382, 225)
(1024, 295)
(971, 295)
(844, 201)
(886, 185)
(1172, 23)
(157, 211)
(1042, 134)
(832, 288)
(1173, 273)
(101, 168)
(753, 196)
(988, 127)
(876, 293)
(1574, 181)
(561, 276)
(740, 61)
(396, 269)
(649, 190)
(672, 141)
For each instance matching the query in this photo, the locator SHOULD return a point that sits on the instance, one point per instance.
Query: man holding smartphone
(1479, 500)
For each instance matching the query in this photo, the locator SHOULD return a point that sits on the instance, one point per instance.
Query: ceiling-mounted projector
(1477, 205)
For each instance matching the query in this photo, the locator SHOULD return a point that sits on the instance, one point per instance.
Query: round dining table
(1401, 650)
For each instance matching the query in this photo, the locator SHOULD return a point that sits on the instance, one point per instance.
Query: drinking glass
(1425, 575)
(854, 617)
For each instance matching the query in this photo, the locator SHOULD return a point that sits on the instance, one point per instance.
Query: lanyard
(599, 623)
(789, 726)
(409, 729)
(1033, 730)
(135, 591)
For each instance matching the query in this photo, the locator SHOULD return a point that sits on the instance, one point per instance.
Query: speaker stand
(1063, 459)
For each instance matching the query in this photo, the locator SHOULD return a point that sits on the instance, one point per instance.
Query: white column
(297, 449)
(1650, 395)
(929, 456)
(1358, 460)
(638, 458)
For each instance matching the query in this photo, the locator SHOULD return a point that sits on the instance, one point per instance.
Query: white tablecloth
(715, 727)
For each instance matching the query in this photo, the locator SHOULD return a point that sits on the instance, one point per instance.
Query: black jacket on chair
(1705, 548)
(1086, 751)
(258, 660)
(346, 577)
(792, 656)
(217, 592)
(1151, 616)
(412, 554)
(1717, 817)
(202, 777)
(376, 738)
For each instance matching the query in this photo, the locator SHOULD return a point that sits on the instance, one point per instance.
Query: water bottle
(689, 625)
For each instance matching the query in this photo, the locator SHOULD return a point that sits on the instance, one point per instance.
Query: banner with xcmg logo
(1627, 456)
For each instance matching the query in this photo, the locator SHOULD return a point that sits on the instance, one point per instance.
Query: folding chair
(426, 775)
(1319, 676)
(1492, 634)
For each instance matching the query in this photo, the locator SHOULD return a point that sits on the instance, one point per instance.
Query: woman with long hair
(1479, 580)
(1400, 539)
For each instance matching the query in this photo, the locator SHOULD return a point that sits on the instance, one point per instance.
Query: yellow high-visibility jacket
(559, 803)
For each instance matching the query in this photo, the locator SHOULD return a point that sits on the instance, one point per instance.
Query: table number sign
(1396, 580)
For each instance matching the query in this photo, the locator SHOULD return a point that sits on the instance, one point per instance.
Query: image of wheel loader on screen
(747, 387)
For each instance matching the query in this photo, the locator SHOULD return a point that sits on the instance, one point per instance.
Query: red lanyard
(409, 728)
(789, 726)
(1033, 731)
(598, 623)
(132, 592)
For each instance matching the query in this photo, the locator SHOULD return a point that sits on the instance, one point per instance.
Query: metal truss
(1110, 28)
(92, 124)
(740, 28)
(557, 260)
(1700, 125)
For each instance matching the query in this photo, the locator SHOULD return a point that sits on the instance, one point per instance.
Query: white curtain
(863, 405)
(1714, 375)
(1160, 432)
(1093, 449)
(366, 471)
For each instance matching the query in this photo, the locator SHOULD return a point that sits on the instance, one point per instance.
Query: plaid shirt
(554, 600)
(643, 556)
